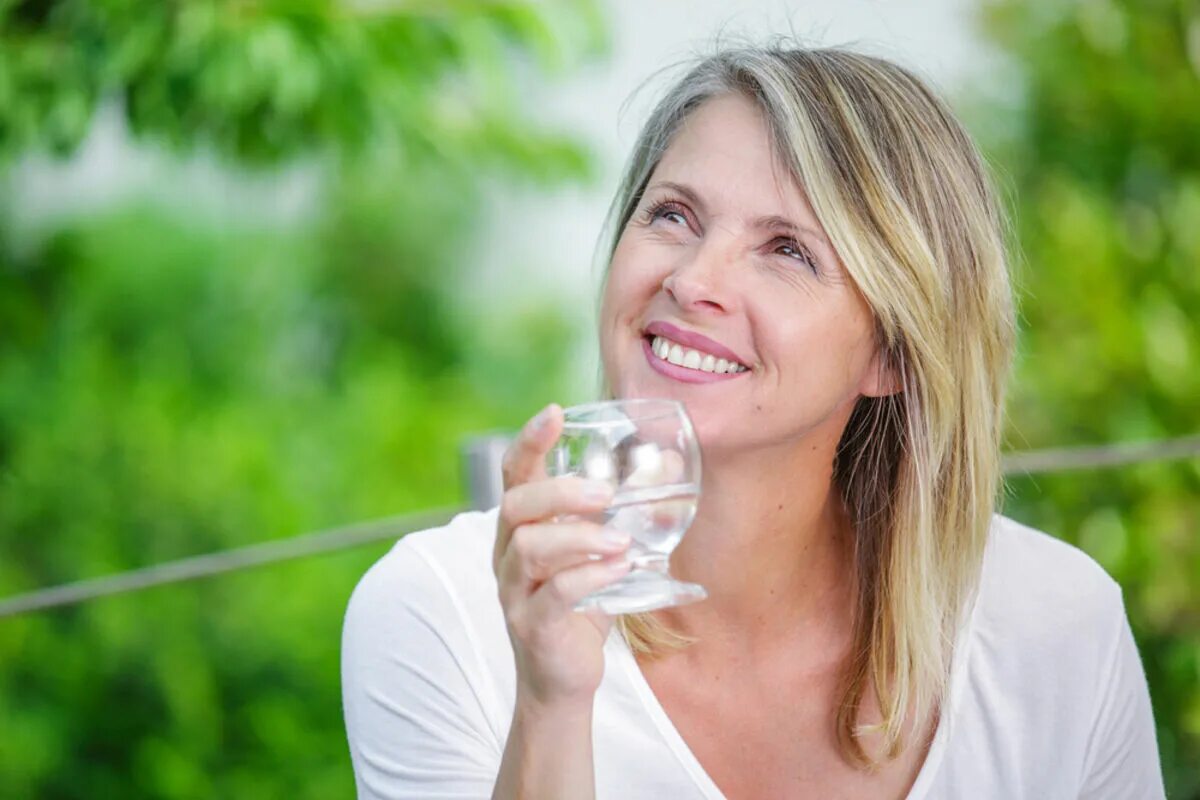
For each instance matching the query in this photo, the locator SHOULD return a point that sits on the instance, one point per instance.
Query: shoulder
(1051, 672)
(430, 568)
(1047, 618)
(1044, 584)
(418, 696)
(429, 600)
(437, 581)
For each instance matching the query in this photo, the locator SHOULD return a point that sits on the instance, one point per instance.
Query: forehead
(723, 149)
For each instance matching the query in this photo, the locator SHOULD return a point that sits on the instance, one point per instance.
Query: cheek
(618, 306)
(606, 326)
(637, 265)
(614, 306)
(824, 353)
(627, 291)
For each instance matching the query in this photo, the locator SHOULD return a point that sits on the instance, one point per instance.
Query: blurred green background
(174, 382)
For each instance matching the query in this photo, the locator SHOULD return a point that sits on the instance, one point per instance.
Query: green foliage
(170, 386)
(260, 81)
(185, 391)
(1102, 157)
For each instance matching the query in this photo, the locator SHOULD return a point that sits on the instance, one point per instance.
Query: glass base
(642, 590)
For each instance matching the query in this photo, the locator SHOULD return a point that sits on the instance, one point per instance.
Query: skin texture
(768, 437)
(771, 541)
(754, 698)
(807, 333)
(543, 566)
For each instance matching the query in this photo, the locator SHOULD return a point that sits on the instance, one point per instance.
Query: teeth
(692, 359)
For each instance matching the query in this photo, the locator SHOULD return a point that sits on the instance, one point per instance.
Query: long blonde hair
(907, 202)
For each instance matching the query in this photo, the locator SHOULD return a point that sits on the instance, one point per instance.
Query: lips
(696, 341)
(684, 374)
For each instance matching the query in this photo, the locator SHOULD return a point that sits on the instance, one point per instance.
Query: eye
(665, 210)
(793, 249)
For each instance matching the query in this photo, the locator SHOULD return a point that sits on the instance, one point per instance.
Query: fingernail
(543, 416)
(617, 567)
(595, 492)
(615, 537)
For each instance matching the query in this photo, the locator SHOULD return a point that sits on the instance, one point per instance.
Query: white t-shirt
(1047, 695)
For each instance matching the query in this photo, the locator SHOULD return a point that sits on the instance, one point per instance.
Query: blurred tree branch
(268, 80)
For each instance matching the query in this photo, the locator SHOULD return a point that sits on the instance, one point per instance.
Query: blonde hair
(905, 198)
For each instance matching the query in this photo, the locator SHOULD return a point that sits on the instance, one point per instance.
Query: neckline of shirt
(937, 748)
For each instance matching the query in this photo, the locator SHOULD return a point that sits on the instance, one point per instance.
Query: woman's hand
(545, 565)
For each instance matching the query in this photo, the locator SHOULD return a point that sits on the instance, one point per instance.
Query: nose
(701, 281)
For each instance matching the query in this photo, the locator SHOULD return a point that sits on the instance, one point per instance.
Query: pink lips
(684, 374)
(694, 340)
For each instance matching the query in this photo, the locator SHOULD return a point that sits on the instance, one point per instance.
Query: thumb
(525, 459)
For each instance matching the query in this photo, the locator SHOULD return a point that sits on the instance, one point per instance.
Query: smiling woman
(806, 251)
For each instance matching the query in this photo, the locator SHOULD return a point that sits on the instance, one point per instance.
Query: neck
(772, 545)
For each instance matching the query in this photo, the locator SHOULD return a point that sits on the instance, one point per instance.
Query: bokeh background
(264, 265)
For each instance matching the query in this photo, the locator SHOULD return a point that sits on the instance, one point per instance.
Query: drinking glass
(646, 449)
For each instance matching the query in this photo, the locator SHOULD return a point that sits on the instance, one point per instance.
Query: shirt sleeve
(1122, 758)
(414, 722)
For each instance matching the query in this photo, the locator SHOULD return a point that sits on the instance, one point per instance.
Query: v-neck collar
(706, 785)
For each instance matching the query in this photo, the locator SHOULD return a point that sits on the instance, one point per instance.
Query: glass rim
(583, 408)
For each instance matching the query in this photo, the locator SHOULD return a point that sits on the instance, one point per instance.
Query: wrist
(549, 750)
(532, 706)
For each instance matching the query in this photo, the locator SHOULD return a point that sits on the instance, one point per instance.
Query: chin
(710, 433)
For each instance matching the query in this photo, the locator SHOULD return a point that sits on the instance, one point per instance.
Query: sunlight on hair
(909, 206)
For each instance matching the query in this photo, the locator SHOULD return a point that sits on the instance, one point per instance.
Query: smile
(690, 358)
(672, 360)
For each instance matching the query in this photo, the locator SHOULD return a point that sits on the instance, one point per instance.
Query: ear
(881, 378)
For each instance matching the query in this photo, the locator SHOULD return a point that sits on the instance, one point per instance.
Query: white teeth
(692, 359)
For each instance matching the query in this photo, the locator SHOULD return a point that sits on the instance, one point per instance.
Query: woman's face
(709, 251)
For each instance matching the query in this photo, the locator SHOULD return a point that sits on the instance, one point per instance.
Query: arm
(415, 725)
(543, 568)
(1122, 758)
(414, 716)
(548, 754)
(414, 721)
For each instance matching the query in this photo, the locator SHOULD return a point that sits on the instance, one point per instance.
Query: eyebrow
(773, 221)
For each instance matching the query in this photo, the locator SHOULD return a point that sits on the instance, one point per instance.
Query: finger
(655, 467)
(537, 552)
(567, 587)
(543, 500)
(672, 466)
(525, 461)
(525, 458)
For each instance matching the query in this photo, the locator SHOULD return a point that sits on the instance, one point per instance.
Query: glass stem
(650, 562)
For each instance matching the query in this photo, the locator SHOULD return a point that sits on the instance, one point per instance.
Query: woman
(873, 629)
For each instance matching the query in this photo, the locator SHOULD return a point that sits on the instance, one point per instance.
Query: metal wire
(1039, 461)
(255, 555)
(1112, 455)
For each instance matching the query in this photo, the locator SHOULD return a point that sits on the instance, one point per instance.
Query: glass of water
(646, 449)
